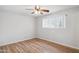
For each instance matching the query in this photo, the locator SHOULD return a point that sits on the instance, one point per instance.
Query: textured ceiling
(21, 8)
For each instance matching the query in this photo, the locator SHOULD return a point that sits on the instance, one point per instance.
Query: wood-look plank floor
(35, 46)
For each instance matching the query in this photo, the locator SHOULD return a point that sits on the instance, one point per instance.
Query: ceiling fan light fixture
(36, 12)
(39, 11)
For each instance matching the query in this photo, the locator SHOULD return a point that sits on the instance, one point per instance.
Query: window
(54, 22)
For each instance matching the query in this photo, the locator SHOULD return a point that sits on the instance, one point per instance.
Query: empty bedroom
(39, 28)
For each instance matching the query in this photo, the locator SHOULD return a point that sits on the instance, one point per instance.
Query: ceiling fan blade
(28, 9)
(37, 7)
(32, 12)
(45, 10)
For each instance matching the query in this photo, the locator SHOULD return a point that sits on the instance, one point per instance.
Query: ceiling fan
(38, 10)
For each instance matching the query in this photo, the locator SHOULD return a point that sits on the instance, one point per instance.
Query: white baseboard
(74, 47)
(14, 38)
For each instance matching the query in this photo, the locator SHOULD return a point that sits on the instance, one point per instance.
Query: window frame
(60, 18)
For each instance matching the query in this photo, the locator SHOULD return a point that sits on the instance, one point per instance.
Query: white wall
(77, 30)
(65, 36)
(15, 27)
